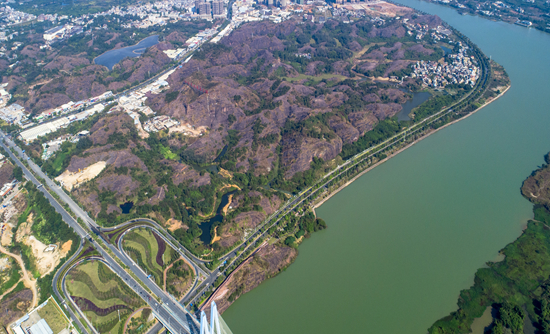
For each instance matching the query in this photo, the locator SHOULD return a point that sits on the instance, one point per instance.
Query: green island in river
(516, 290)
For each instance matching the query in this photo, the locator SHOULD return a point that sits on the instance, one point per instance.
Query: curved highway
(64, 269)
(171, 314)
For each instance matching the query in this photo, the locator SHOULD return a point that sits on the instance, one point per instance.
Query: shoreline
(317, 205)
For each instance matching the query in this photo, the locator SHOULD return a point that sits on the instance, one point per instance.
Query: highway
(169, 312)
(197, 262)
(198, 272)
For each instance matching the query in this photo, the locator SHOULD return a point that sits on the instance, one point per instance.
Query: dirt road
(29, 283)
(9, 290)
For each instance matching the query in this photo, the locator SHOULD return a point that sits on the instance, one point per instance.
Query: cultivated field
(150, 252)
(158, 259)
(102, 296)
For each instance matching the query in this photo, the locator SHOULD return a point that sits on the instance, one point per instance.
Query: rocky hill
(43, 79)
(288, 109)
(285, 103)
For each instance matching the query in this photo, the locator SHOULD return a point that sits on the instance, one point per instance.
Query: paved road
(197, 262)
(170, 313)
(198, 273)
(60, 296)
(127, 92)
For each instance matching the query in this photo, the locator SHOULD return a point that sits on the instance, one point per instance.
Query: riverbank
(317, 205)
(514, 285)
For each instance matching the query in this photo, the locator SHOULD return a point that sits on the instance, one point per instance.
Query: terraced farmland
(150, 252)
(102, 296)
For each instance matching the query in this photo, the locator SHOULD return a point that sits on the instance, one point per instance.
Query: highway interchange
(169, 312)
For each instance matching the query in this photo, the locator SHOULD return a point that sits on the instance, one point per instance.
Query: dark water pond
(418, 99)
(222, 153)
(446, 50)
(126, 207)
(112, 57)
(206, 226)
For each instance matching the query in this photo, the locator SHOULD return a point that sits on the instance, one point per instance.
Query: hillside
(41, 79)
(285, 103)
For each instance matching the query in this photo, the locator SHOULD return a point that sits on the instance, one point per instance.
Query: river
(405, 238)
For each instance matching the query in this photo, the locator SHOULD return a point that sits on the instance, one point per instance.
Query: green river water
(405, 238)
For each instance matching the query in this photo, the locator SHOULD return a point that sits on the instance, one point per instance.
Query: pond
(418, 99)
(206, 226)
(446, 50)
(112, 57)
(126, 207)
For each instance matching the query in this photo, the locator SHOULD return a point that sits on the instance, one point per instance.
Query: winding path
(10, 289)
(168, 268)
(29, 283)
(130, 318)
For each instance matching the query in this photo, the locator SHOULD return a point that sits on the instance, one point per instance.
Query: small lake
(126, 207)
(418, 99)
(112, 57)
(446, 50)
(206, 226)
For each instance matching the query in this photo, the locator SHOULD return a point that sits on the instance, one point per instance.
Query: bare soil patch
(71, 180)
(174, 224)
(15, 306)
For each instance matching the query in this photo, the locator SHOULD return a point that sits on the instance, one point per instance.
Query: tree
(290, 241)
(18, 173)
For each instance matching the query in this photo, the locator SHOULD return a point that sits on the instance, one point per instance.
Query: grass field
(53, 316)
(167, 153)
(152, 254)
(102, 295)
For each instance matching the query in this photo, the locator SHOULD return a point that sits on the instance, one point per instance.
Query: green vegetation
(295, 228)
(178, 278)
(9, 277)
(139, 324)
(49, 228)
(520, 280)
(102, 296)
(18, 173)
(68, 8)
(171, 96)
(165, 151)
(19, 287)
(150, 252)
(53, 316)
